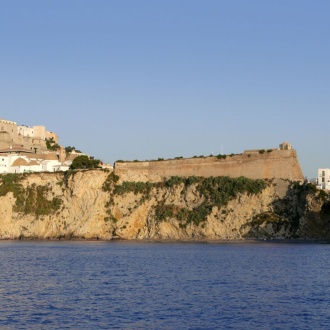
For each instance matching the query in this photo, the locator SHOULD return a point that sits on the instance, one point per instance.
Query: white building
(19, 163)
(25, 131)
(323, 178)
(3, 163)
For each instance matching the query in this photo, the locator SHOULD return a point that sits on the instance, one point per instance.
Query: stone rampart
(279, 164)
(5, 140)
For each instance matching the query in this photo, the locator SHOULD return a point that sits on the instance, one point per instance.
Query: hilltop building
(24, 149)
(323, 178)
(23, 162)
(32, 138)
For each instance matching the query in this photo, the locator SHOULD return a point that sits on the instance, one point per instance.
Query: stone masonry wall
(280, 164)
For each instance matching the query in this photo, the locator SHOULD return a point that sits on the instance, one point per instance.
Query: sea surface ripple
(153, 285)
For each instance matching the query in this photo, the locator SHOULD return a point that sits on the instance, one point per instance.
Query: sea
(164, 285)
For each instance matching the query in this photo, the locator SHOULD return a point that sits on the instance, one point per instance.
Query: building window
(323, 179)
(323, 173)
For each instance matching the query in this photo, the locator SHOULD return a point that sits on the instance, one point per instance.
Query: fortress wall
(39, 132)
(28, 143)
(4, 140)
(282, 164)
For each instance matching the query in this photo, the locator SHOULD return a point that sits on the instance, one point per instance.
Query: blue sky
(145, 79)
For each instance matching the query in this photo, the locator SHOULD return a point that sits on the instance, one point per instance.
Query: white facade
(61, 167)
(49, 165)
(25, 131)
(323, 178)
(3, 163)
(19, 169)
(35, 168)
(15, 163)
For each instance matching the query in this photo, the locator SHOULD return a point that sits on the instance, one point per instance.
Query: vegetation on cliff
(30, 200)
(69, 149)
(84, 162)
(193, 201)
(51, 145)
(293, 214)
(160, 159)
(212, 191)
(176, 208)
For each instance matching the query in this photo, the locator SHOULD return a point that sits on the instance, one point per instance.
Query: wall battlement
(279, 164)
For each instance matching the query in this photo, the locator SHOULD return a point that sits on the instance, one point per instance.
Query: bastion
(281, 163)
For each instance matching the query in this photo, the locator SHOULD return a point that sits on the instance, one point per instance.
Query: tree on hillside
(51, 145)
(69, 149)
(84, 162)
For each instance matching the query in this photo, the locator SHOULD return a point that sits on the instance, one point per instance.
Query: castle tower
(8, 130)
(285, 146)
(39, 132)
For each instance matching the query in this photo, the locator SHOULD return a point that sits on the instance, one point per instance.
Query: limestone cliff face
(80, 214)
(93, 204)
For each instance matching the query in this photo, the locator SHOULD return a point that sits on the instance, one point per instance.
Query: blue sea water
(127, 285)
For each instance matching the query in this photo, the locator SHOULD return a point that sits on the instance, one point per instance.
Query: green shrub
(164, 212)
(215, 191)
(56, 203)
(84, 162)
(10, 183)
(135, 187)
(323, 195)
(31, 200)
(110, 181)
(174, 181)
(69, 149)
(51, 145)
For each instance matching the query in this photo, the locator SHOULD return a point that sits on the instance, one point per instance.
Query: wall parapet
(7, 122)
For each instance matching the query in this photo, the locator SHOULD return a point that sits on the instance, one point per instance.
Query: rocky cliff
(98, 205)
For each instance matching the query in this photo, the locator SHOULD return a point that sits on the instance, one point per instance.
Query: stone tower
(285, 146)
(62, 154)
